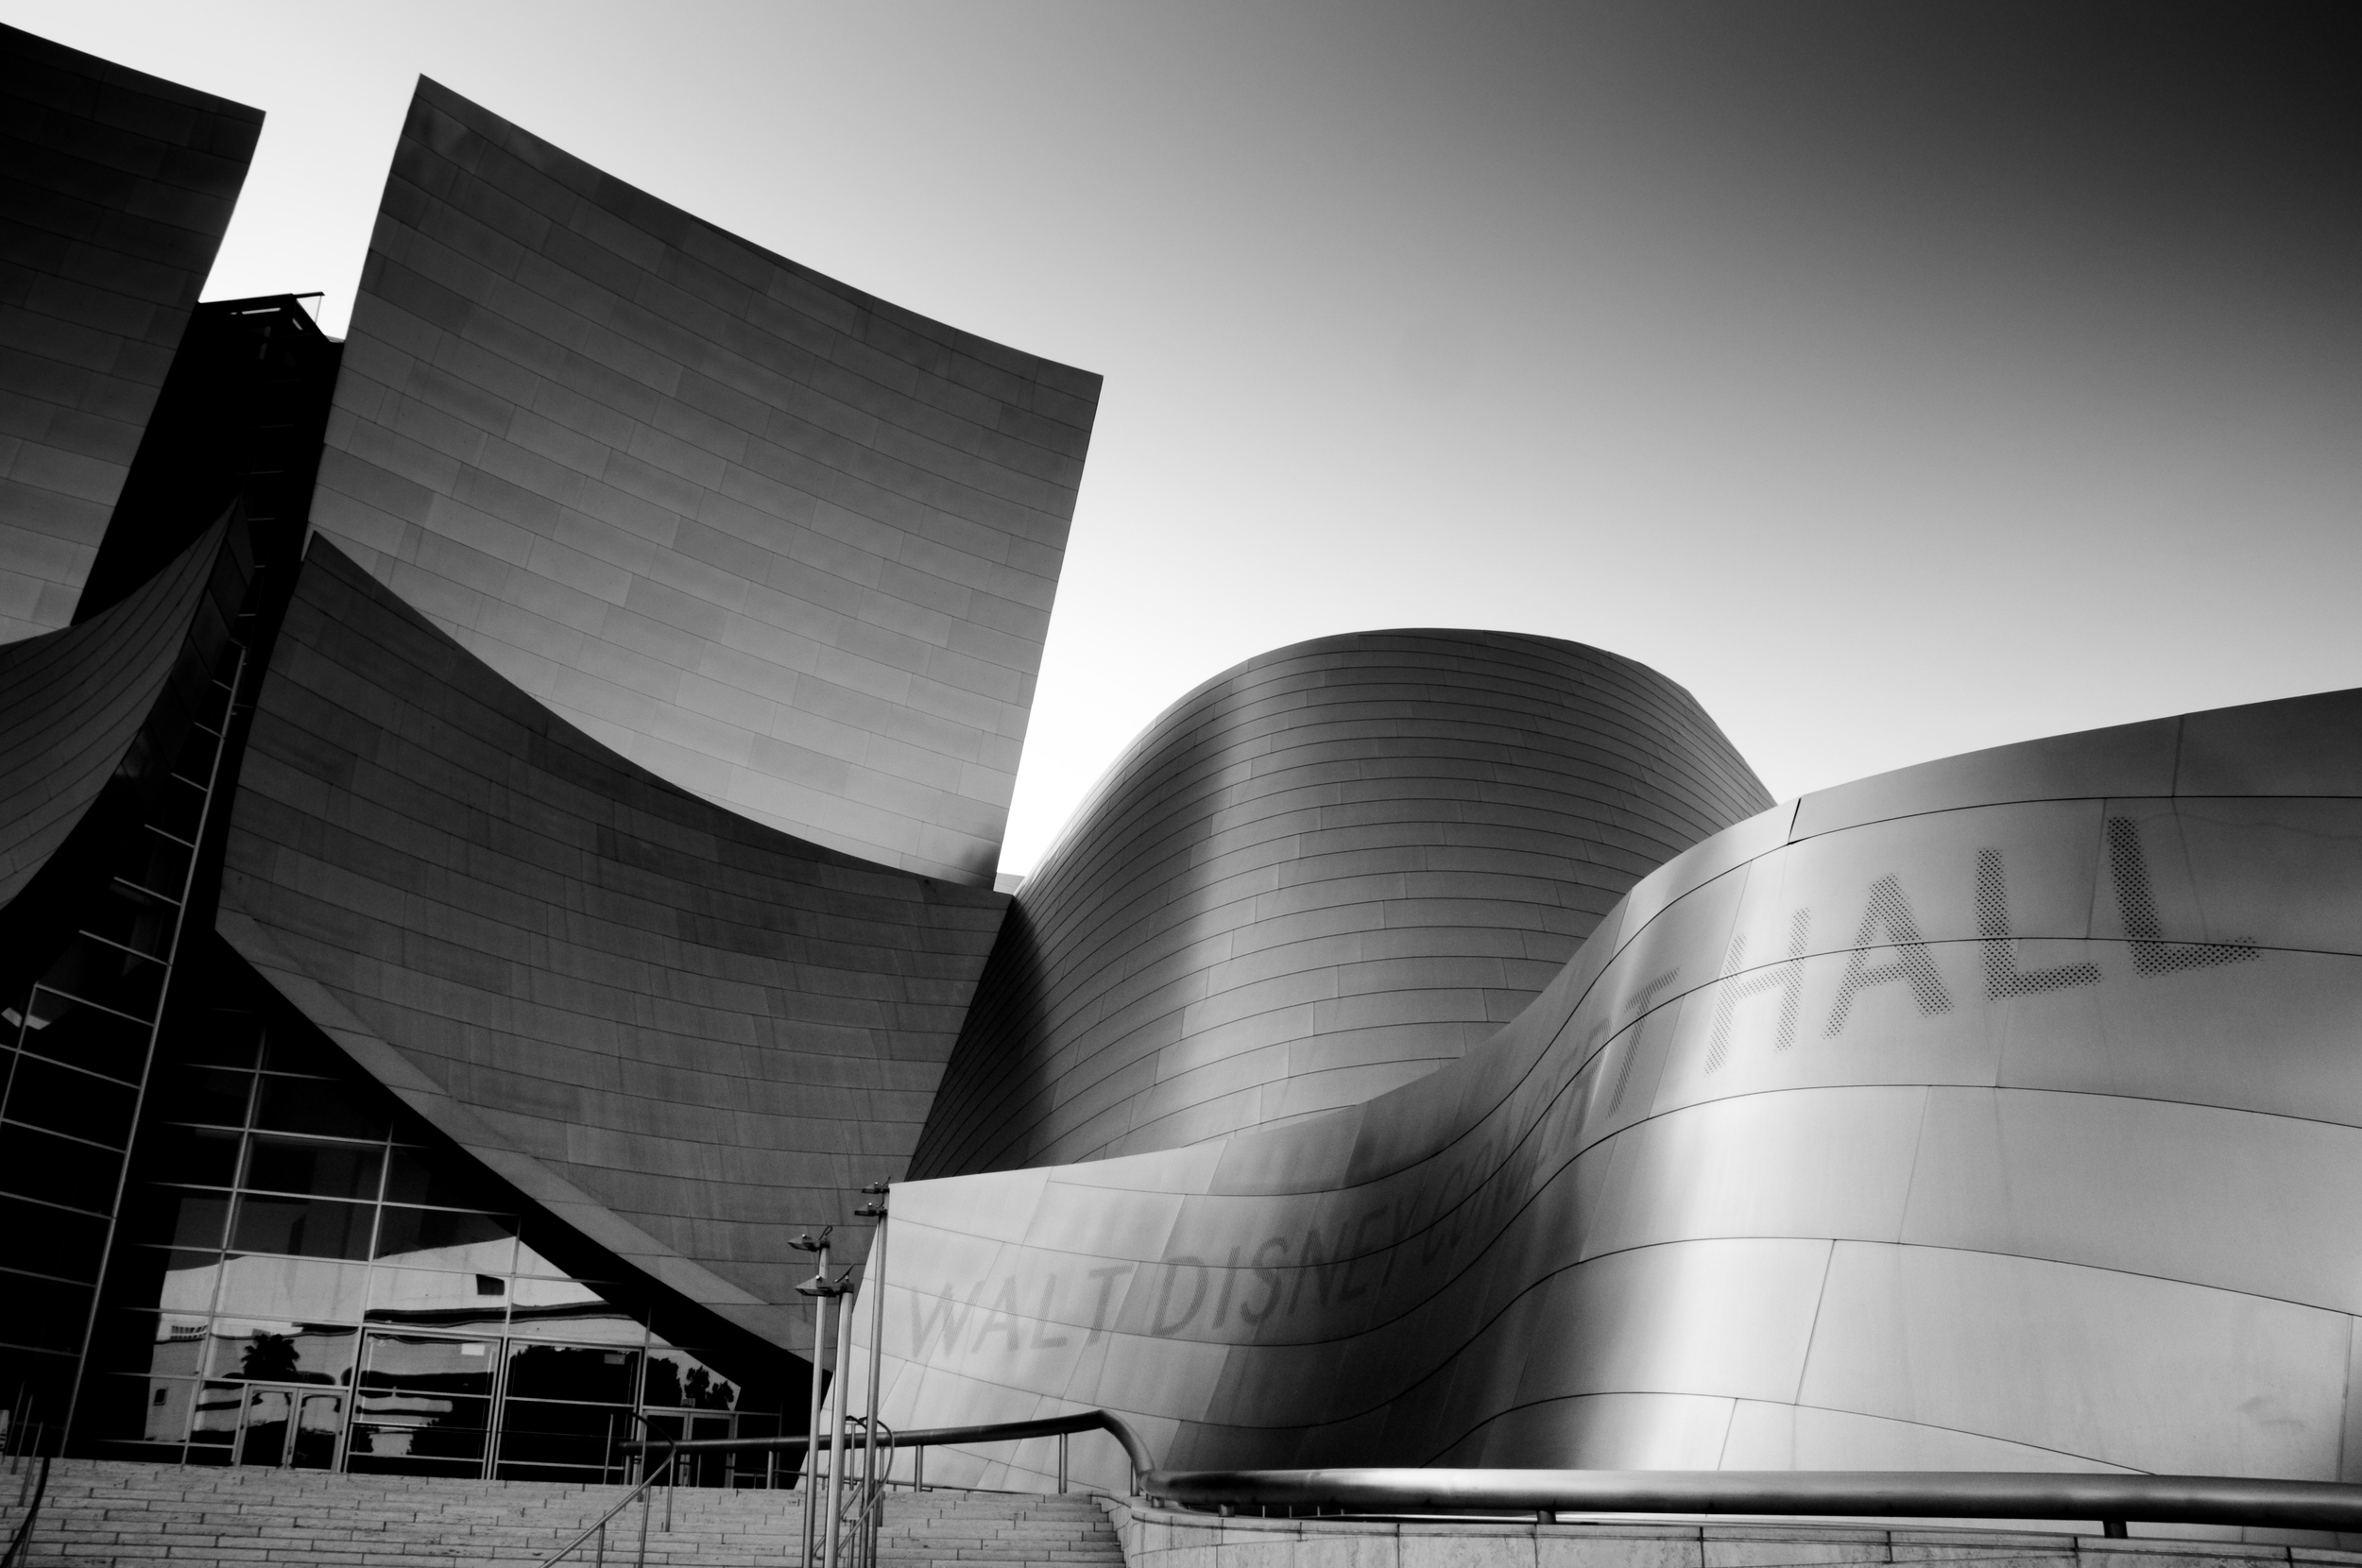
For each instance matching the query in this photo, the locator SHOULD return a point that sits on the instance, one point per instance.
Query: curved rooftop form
(686, 1034)
(115, 189)
(1997, 1114)
(1321, 874)
(787, 545)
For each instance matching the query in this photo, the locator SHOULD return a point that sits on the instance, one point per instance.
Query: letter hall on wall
(500, 834)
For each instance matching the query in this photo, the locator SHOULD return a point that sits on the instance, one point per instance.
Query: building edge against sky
(121, 187)
(416, 1055)
(1322, 873)
(783, 543)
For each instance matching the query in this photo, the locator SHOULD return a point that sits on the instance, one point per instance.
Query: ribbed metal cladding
(1321, 874)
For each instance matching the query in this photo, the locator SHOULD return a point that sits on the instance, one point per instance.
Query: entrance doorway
(272, 1425)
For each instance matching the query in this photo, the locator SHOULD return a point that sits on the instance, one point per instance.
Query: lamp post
(819, 1288)
(836, 1436)
(873, 1284)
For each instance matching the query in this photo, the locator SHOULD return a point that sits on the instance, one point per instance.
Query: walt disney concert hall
(499, 834)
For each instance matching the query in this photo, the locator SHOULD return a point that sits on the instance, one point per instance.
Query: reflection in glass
(423, 1406)
(316, 1105)
(537, 1435)
(103, 1042)
(222, 1037)
(590, 1374)
(279, 1352)
(179, 1349)
(302, 1288)
(414, 1176)
(201, 1156)
(213, 1421)
(429, 1363)
(678, 1380)
(190, 1219)
(307, 1227)
(170, 1399)
(409, 1231)
(373, 1308)
(191, 1280)
(578, 1315)
(318, 1420)
(268, 1414)
(304, 1166)
(432, 1296)
(215, 1095)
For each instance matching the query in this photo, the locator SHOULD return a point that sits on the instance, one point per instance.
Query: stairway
(120, 1513)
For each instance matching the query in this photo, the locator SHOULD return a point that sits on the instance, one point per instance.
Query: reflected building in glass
(499, 824)
(331, 1287)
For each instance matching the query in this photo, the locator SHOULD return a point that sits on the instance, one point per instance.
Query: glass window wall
(335, 1291)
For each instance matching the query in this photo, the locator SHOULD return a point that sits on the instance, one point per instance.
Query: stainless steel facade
(688, 1035)
(788, 545)
(1426, 1048)
(1319, 876)
(1996, 1114)
(119, 187)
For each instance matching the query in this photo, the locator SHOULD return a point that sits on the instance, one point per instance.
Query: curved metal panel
(115, 189)
(786, 545)
(1321, 874)
(1996, 1113)
(688, 1035)
(72, 704)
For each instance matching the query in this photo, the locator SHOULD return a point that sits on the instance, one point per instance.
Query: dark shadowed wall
(686, 1034)
(782, 543)
(1319, 876)
(115, 190)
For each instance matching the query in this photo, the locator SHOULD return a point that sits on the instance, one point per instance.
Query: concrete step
(121, 1513)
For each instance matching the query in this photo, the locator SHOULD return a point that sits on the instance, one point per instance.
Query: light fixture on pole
(873, 1284)
(820, 1291)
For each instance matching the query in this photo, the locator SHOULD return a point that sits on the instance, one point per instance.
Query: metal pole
(816, 1290)
(646, 1503)
(836, 1439)
(1062, 1464)
(873, 1285)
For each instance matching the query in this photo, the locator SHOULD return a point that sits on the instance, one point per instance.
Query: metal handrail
(1047, 1426)
(598, 1525)
(2113, 1499)
(869, 1513)
(20, 1546)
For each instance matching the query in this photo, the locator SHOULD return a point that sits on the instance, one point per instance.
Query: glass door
(270, 1418)
(270, 1425)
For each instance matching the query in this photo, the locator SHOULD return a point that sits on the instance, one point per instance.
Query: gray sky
(1901, 379)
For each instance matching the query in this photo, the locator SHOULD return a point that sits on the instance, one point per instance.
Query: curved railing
(866, 1510)
(2112, 1499)
(1004, 1431)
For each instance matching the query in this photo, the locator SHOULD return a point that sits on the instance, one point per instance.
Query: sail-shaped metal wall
(788, 545)
(115, 189)
(686, 1034)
